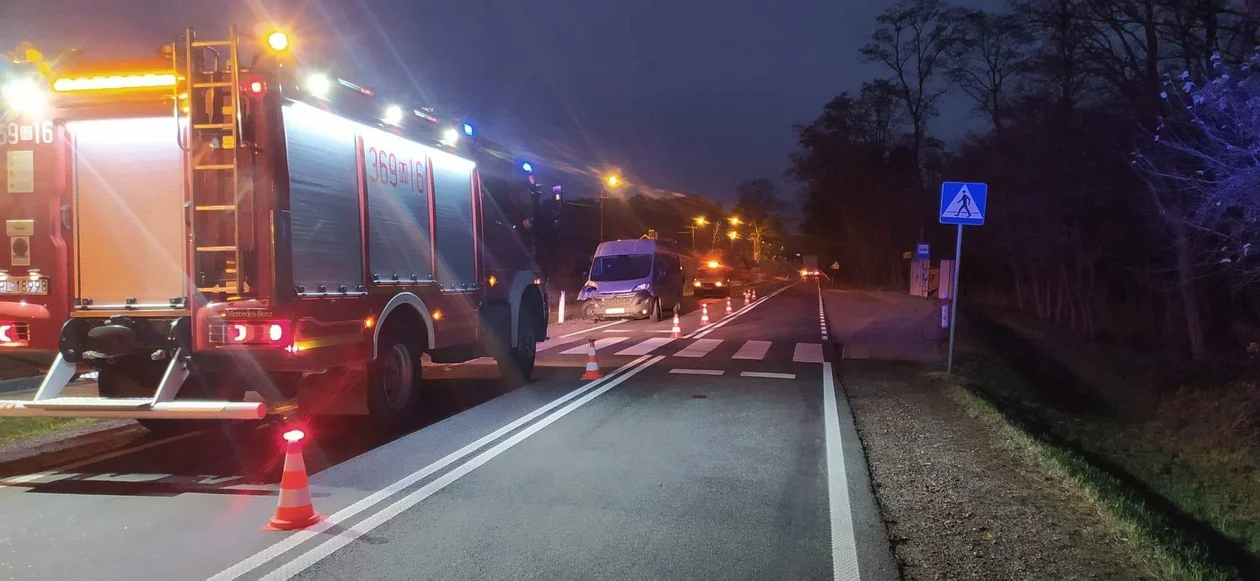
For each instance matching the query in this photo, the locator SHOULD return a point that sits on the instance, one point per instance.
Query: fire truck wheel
(518, 367)
(393, 391)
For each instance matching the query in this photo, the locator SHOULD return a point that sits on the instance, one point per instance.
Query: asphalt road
(729, 453)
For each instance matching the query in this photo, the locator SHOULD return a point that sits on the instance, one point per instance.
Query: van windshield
(624, 267)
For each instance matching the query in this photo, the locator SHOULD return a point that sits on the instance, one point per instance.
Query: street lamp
(735, 221)
(612, 181)
(699, 222)
(732, 235)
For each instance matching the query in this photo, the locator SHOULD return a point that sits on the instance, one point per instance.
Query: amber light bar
(114, 82)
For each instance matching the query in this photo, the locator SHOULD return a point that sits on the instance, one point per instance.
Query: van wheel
(394, 383)
(658, 313)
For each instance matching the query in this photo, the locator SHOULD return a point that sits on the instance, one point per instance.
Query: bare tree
(985, 62)
(913, 41)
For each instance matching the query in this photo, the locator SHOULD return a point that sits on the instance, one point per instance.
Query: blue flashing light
(468, 129)
(527, 167)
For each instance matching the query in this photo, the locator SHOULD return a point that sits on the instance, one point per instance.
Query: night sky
(690, 96)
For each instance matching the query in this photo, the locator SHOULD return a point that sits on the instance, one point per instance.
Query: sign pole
(953, 299)
(962, 204)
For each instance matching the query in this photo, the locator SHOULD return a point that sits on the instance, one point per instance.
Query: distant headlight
(695, 283)
(718, 284)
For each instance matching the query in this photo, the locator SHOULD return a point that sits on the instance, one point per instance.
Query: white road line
(698, 371)
(701, 332)
(807, 353)
(844, 560)
(103, 457)
(753, 350)
(767, 375)
(585, 348)
(645, 347)
(296, 566)
(699, 348)
(280, 548)
(597, 327)
(637, 331)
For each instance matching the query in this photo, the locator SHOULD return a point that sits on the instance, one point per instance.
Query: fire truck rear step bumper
(133, 408)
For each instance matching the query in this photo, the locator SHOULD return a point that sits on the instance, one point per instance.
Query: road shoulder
(957, 504)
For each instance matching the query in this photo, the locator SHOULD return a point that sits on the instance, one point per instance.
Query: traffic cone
(728, 305)
(676, 332)
(592, 365)
(704, 314)
(754, 294)
(294, 511)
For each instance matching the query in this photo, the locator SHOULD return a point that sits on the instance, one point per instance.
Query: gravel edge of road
(876, 558)
(959, 503)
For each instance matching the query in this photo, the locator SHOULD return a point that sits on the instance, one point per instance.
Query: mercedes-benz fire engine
(222, 241)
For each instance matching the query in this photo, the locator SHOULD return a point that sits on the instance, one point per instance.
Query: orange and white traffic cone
(704, 314)
(294, 510)
(676, 332)
(754, 294)
(728, 305)
(592, 365)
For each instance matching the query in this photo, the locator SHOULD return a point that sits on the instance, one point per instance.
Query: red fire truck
(221, 240)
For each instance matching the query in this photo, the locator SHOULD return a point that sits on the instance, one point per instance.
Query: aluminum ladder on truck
(213, 73)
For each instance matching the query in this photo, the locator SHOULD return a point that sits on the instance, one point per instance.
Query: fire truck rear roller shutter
(323, 180)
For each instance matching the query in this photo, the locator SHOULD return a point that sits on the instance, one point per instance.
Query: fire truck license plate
(24, 287)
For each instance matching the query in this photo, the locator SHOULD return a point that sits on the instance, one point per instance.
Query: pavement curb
(87, 439)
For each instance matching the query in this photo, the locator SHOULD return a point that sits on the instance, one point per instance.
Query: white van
(633, 279)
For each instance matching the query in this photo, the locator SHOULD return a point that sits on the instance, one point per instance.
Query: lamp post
(612, 181)
(699, 221)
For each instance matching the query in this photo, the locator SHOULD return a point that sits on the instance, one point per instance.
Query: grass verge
(1169, 552)
(12, 429)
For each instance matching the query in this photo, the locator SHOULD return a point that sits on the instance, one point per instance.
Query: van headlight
(641, 287)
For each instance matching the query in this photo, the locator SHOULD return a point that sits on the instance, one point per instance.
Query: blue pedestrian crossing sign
(963, 203)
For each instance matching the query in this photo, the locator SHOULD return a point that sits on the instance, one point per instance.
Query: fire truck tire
(394, 383)
(518, 367)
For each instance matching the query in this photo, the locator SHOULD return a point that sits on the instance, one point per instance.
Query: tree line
(1120, 143)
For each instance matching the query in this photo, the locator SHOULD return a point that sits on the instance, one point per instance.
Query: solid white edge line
(844, 558)
(698, 371)
(595, 328)
(262, 557)
(27, 478)
(767, 375)
(343, 538)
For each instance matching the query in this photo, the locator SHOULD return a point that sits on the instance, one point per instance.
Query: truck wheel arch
(410, 301)
(522, 281)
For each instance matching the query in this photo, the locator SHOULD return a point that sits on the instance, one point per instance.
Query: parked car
(712, 280)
